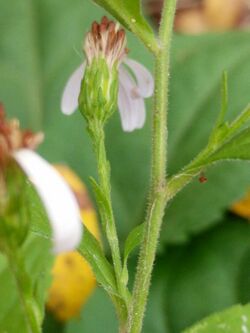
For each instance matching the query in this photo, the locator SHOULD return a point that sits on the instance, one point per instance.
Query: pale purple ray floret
(135, 84)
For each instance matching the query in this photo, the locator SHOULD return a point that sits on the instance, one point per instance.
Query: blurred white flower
(59, 201)
(60, 204)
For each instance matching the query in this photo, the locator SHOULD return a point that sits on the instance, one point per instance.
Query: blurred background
(203, 262)
(200, 16)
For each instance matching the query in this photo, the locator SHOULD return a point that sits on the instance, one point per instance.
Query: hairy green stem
(158, 174)
(107, 215)
(104, 179)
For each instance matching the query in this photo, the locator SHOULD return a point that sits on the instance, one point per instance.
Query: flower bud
(13, 138)
(104, 48)
(99, 91)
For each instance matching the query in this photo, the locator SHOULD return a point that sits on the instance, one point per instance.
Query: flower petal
(145, 81)
(69, 101)
(141, 113)
(125, 110)
(131, 108)
(58, 199)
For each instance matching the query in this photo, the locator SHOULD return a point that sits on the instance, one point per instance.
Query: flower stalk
(104, 181)
(157, 197)
(105, 47)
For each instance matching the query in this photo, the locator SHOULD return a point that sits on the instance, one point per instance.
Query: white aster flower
(107, 40)
(59, 201)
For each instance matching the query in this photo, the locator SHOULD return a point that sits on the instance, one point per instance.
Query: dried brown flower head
(106, 40)
(12, 137)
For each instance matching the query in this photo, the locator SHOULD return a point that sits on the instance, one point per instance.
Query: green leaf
(244, 278)
(196, 71)
(208, 274)
(130, 15)
(156, 319)
(224, 98)
(225, 143)
(224, 131)
(52, 325)
(233, 320)
(91, 250)
(240, 121)
(132, 242)
(25, 276)
(98, 310)
(237, 148)
(220, 126)
(102, 202)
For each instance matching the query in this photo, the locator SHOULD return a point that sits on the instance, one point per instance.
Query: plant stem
(107, 215)
(104, 179)
(158, 174)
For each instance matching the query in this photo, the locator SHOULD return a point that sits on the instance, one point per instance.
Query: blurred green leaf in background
(209, 274)
(235, 319)
(34, 264)
(40, 46)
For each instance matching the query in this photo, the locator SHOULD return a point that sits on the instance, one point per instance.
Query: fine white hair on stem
(59, 201)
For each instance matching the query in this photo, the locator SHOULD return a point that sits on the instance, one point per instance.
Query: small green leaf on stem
(91, 250)
(223, 130)
(238, 147)
(129, 14)
(224, 97)
(134, 239)
(132, 242)
(227, 142)
(220, 128)
(240, 121)
(101, 201)
(233, 320)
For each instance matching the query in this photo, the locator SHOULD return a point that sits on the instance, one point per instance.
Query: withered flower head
(105, 40)
(13, 138)
(17, 145)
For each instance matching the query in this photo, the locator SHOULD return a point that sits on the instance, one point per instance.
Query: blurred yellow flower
(73, 280)
(242, 207)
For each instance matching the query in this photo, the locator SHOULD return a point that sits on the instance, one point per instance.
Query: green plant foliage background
(209, 274)
(40, 46)
(36, 261)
